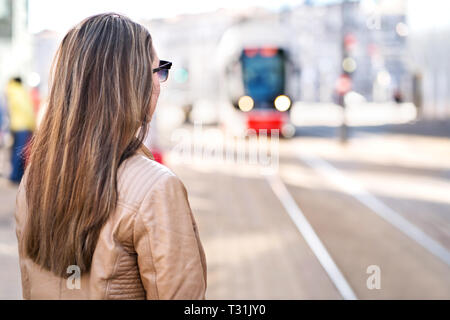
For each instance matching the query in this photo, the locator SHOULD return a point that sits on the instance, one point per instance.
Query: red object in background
(268, 52)
(349, 42)
(157, 155)
(268, 120)
(250, 52)
(36, 99)
(343, 84)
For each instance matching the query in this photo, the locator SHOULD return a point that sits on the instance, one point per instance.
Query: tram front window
(263, 75)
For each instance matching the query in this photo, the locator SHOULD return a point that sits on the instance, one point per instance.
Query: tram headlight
(246, 103)
(282, 103)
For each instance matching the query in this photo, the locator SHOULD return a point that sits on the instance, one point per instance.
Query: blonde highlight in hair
(97, 116)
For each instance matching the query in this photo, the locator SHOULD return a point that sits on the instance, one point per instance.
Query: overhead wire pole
(345, 77)
(343, 128)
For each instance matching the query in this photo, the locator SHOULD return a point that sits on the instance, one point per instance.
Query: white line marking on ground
(310, 237)
(356, 190)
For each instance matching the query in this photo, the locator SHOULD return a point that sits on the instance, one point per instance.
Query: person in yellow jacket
(22, 124)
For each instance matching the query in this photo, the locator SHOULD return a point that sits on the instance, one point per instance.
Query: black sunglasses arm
(163, 65)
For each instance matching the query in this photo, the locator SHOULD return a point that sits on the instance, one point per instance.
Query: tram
(259, 77)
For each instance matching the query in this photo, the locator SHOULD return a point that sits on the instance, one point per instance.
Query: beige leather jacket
(148, 249)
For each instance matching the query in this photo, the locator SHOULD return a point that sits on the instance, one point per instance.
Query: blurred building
(386, 58)
(45, 44)
(15, 41)
(190, 41)
(430, 49)
(379, 50)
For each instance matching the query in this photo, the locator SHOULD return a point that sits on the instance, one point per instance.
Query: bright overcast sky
(61, 15)
(429, 14)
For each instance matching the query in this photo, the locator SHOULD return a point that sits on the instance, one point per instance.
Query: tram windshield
(263, 74)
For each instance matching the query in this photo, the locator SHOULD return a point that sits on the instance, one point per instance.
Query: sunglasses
(163, 70)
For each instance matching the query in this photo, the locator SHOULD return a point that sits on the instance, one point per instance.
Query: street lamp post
(345, 81)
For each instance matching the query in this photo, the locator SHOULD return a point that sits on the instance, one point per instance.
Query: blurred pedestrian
(417, 89)
(398, 96)
(3, 129)
(22, 124)
(3, 114)
(96, 216)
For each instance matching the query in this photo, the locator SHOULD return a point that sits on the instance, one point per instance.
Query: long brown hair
(97, 116)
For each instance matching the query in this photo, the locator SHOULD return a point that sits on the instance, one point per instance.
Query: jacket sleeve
(171, 259)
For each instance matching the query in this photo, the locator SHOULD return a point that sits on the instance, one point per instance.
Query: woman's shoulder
(138, 174)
